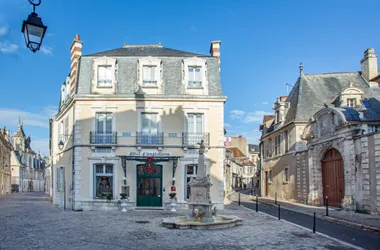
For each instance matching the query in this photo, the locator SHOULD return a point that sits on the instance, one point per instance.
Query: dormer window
(194, 77)
(105, 76)
(277, 116)
(351, 102)
(149, 75)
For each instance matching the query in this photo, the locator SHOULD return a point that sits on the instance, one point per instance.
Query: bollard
(239, 198)
(279, 212)
(257, 203)
(275, 198)
(314, 224)
(327, 206)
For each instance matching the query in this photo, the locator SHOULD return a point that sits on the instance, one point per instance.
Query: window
(195, 123)
(286, 141)
(372, 129)
(149, 75)
(195, 78)
(149, 123)
(191, 171)
(103, 123)
(270, 175)
(103, 180)
(277, 145)
(286, 175)
(60, 178)
(66, 128)
(269, 148)
(105, 76)
(277, 116)
(351, 102)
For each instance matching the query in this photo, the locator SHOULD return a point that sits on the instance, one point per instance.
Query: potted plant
(172, 195)
(124, 199)
(106, 195)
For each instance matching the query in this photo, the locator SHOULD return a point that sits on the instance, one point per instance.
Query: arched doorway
(333, 178)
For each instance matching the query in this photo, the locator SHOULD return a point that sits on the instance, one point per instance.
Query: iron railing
(192, 139)
(103, 137)
(144, 138)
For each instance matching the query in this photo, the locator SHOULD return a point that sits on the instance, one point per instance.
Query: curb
(327, 218)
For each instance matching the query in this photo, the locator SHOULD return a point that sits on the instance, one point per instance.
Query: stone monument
(200, 205)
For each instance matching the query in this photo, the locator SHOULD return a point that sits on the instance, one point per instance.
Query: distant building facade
(5, 162)
(27, 165)
(322, 141)
(130, 121)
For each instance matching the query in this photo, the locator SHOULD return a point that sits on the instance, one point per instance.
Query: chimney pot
(215, 50)
(369, 66)
(76, 53)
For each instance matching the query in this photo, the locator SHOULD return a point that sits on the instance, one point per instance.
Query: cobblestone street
(29, 221)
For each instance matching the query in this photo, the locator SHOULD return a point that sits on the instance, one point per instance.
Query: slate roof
(312, 91)
(146, 50)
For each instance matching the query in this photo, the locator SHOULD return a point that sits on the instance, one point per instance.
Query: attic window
(277, 116)
(351, 102)
(105, 76)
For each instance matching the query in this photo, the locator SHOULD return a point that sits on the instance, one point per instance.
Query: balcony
(143, 138)
(192, 139)
(103, 138)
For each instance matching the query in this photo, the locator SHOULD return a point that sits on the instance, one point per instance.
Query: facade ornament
(301, 68)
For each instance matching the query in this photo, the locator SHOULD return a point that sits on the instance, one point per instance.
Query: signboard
(151, 154)
(227, 141)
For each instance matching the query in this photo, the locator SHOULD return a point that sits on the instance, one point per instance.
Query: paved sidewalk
(364, 221)
(29, 221)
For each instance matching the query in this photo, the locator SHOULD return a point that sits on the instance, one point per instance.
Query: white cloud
(7, 47)
(227, 125)
(264, 103)
(253, 137)
(41, 146)
(3, 30)
(10, 117)
(237, 114)
(47, 50)
(256, 116)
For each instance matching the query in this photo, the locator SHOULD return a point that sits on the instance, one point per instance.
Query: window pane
(145, 122)
(109, 123)
(103, 185)
(100, 122)
(198, 74)
(153, 123)
(146, 73)
(152, 73)
(99, 169)
(109, 169)
(190, 123)
(199, 124)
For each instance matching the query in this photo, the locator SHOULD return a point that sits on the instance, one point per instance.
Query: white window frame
(189, 176)
(351, 102)
(107, 81)
(277, 144)
(108, 89)
(195, 62)
(151, 80)
(149, 61)
(105, 123)
(192, 76)
(150, 127)
(195, 122)
(104, 165)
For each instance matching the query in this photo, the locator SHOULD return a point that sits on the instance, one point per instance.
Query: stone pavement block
(33, 219)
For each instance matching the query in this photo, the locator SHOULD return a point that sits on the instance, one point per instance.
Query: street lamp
(62, 139)
(33, 28)
(61, 145)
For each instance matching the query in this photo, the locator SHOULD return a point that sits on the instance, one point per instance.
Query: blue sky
(263, 43)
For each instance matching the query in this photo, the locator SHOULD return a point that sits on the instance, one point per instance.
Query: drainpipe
(73, 160)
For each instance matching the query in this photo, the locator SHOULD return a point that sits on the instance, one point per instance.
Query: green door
(149, 183)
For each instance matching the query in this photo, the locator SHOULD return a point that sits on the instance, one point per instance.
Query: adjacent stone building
(5, 162)
(130, 120)
(323, 139)
(27, 165)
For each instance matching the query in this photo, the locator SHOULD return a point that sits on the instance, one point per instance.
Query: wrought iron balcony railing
(192, 139)
(103, 138)
(143, 138)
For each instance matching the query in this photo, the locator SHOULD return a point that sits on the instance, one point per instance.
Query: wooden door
(333, 178)
(149, 185)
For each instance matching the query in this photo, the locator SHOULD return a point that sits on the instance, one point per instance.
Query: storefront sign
(151, 154)
(227, 141)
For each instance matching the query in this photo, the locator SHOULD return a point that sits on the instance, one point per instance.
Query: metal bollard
(279, 212)
(257, 203)
(327, 206)
(239, 198)
(275, 198)
(314, 224)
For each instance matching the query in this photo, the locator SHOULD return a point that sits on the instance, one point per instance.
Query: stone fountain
(200, 212)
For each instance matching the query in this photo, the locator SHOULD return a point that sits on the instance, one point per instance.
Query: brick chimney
(369, 66)
(76, 53)
(215, 50)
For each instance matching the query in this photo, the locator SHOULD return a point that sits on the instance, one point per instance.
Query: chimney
(215, 50)
(76, 53)
(369, 66)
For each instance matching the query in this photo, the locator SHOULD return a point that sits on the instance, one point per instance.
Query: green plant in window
(123, 195)
(106, 195)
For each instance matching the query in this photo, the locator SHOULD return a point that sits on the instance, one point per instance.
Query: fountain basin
(220, 221)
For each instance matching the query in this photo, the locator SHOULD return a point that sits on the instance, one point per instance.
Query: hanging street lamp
(33, 28)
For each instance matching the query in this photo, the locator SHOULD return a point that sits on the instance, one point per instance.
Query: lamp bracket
(35, 3)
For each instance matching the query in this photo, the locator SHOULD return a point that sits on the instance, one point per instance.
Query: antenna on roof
(287, 88)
